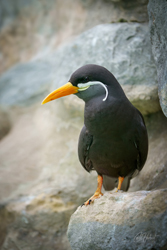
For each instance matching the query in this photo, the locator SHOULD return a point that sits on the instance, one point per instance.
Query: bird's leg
(98, 192)
(120, 180)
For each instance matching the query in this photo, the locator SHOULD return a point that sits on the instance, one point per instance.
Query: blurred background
(41, 43)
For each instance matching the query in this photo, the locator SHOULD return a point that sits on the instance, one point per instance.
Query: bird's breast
(104, 117)
(109, 155)
(112, 125)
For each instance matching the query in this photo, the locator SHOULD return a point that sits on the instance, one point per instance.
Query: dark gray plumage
(114, 138)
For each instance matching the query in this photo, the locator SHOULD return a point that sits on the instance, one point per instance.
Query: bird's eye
(86, 79)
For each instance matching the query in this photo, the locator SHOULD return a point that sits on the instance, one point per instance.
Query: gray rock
(52, 26)
(124, 49)
(25, 83)
(33, 223)
(158, 32)
(42, 148)
(121, 221)
(107, 11)
(12, 9)
(41, 181)
(154, 173)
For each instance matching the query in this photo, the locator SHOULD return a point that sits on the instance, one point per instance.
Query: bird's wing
(141, 143)
(84, 144)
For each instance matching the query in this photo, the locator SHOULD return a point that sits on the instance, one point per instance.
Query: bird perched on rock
(113, 140)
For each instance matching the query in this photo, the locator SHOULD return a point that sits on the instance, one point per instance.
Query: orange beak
(66, 89)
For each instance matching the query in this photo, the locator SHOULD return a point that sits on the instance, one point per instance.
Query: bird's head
(86, 82)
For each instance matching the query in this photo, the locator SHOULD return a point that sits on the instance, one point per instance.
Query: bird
(114, 139)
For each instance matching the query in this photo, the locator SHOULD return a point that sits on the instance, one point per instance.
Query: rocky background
(41, 180)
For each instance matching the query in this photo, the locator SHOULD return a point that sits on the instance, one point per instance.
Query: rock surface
(124, 49)
(121, 221)
(35, 222)
(154, 173)
(158, 33)
(32, 27)
(40, 153)
(41, 181)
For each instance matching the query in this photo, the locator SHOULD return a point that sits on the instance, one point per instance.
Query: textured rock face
(32, 80)
(154, 173)
(158, 22)
(41, 180)
(20, 41)
(121, 221)
(35, 222)
(128, 57)
(40, 153)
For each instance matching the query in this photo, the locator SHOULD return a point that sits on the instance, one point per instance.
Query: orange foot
(120, 180)
(94, 197)
(98, 192)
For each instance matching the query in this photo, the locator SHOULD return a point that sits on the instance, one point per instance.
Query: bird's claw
(91, 200)
(86, 203)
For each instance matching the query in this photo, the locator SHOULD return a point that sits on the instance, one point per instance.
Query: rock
(50, 137)
(154, 173)
(124, 49)
(35, 223)
(158, 33)
(25, 84)
(52, 25)
(121, 221)
(41, 181)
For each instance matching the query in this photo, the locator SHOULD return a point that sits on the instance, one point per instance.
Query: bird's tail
(110, 183)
